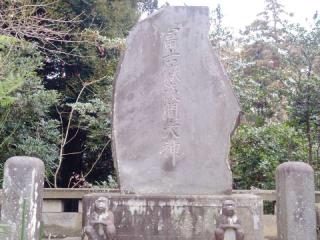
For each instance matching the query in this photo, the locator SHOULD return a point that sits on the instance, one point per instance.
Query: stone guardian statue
(228, 224)
(101, 222)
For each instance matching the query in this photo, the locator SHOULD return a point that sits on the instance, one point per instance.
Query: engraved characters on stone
(296, 215)
(171, 148)
(228, 224)
(101, 222)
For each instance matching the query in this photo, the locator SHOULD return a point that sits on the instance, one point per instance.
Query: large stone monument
(22, 198)
(173, 113)
(174, 108)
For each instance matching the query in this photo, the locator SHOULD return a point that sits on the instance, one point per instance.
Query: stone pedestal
(175, 217)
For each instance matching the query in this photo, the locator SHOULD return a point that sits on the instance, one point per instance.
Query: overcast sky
(239, 13)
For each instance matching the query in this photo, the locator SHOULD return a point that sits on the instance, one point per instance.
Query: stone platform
(180, 217)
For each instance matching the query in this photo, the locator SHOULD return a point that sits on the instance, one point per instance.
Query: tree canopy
(57, 64)
(274, 66)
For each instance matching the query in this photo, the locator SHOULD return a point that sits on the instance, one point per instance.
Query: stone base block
(146, 217)
(52, 206)
(270, 226)
(62, 224)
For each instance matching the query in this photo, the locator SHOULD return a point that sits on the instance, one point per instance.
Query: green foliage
(25, 126)
(220, 35)
(57, 105)
(40, 95)
(41, 146)
(111, 183)
(302, 56)
(275, 69)
(103, 27)
(305, 103)
(257, 151)
(16, 60)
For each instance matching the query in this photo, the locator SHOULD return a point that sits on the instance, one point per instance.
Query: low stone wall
(269, 226)
(174, 217)
(62, 224)
(62, 210)
(69, 224)
(59, 222)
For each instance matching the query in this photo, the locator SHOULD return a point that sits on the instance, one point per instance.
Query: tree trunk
(309, 139)
(309, 134)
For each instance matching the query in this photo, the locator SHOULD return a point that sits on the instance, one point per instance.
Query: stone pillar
(22, 197)
(296, 215)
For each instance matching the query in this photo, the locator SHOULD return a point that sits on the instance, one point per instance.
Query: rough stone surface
(175, 217)
(52, 205)
(62, 224)
(296, 215)
(23, 186)
(174, 108)
(318, 220)
(269, 226)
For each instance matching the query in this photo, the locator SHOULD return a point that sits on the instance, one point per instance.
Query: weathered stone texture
(52, 205)
(62, 224)
(318, 220)
(174, 108)
(175, 217)
(296, 215)
(23, 189)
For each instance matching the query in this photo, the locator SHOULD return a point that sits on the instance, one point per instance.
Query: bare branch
(75, 153)
(93, 165)
(25, 21)
(64, 139)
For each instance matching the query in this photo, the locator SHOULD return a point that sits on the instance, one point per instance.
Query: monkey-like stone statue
(228, 224)
(101, 222)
